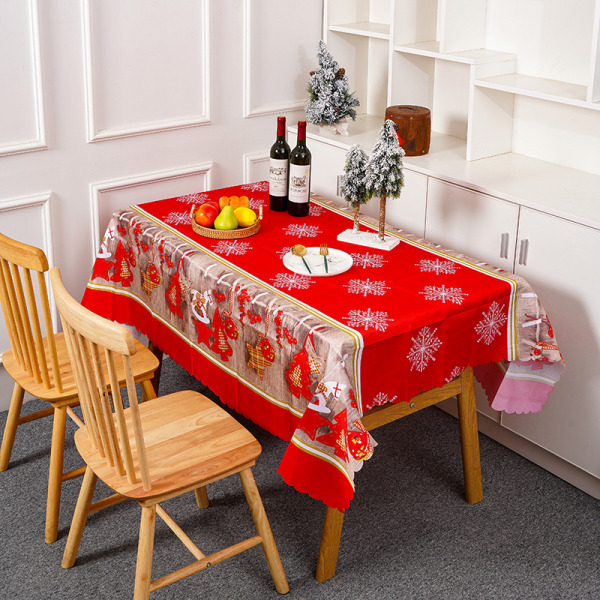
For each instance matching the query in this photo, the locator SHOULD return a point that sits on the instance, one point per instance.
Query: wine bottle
(299, 192)
(278, 169)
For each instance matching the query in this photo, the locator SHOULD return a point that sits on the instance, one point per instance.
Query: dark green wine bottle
(279, 169)
(299, 192)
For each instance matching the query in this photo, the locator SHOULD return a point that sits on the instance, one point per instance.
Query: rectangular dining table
(321, 359)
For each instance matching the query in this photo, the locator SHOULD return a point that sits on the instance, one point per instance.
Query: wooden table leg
(469, 438)
(330, 544)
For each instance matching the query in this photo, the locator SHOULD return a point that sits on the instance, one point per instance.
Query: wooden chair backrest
(96, 345)
(18, 299)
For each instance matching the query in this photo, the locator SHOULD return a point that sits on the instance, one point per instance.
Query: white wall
(105, 104)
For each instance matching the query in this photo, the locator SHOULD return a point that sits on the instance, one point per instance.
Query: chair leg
(202, 497)
(264, 530)
(10, 429)
(56, 472)
(148, 391)
(143, 570)
(82, 508)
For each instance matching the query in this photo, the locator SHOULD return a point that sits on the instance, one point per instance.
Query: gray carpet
(408, 534)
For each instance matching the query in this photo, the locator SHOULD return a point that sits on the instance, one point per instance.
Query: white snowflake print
(366, 319)
(259, 186)
(368, 260)
(453, 374)
(489, 327)
(302, 230)
(177, 218)
(423, 350)
(437, 266)
(229, 247)
(255, 204)
(291, 281)
(382, 398)
(198, 198)
(365, 287)
(315, 210)
(281, 253)
(444, 294)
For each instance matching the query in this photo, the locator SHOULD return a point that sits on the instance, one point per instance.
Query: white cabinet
(476, 224)
(556, 248)
(561, 263)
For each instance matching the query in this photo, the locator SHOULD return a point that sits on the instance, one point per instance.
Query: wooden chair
(39, 364)
(153, 451)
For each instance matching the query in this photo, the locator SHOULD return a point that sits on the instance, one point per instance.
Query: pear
(226, 219)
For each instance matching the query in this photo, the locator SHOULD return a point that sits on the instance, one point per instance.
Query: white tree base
(368, 238)
(341, 127)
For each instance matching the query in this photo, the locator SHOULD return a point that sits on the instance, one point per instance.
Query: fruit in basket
(226, 219)
(206, 215)
(245, 216)
(233, 201)
(215, 204)
(238, 201)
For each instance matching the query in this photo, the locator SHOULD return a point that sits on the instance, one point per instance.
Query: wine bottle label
(299, 183)
(278, 177)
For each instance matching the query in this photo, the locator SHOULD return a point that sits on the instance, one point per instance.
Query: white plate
(338, 261)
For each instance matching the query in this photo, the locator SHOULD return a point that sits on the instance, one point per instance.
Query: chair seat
(144, 364)
(190, 441)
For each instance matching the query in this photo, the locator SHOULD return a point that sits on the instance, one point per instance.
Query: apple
(213, 203)
(207, 214)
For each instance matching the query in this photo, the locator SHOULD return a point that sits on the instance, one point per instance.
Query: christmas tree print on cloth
(330, 103)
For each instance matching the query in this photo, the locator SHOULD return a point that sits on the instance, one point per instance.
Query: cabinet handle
(523, 252)
(504, 245)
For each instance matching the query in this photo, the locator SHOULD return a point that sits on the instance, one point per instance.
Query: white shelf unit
(493, 72)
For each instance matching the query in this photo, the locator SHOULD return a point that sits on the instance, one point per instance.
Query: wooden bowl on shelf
(225, 234)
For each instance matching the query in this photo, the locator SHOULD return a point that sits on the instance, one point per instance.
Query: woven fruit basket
(225, 234)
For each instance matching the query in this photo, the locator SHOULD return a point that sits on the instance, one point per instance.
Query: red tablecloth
(395, 324)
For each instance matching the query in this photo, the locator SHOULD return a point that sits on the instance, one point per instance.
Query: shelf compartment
(365, 28)
(537, 87)
(456, 25)
(365, 60)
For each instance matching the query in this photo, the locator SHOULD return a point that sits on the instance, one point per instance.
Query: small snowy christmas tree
(329, 101)
(384, 170)
(353, 186)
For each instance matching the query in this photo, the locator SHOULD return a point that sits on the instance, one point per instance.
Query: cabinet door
(327, 163)
(562, 266)
(478, 225)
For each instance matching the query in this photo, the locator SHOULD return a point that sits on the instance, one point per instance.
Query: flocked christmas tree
(384, 170)
(329, 99)
(353, 188)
